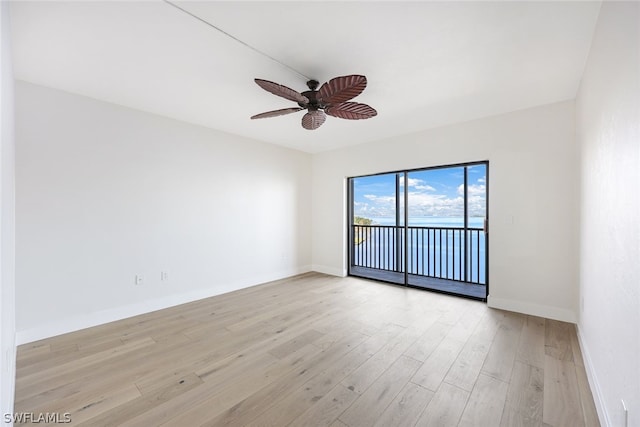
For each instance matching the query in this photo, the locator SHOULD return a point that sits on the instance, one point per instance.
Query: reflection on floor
(441, 285)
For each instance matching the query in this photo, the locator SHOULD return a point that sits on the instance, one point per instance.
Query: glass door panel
(436, 225)
(376, 235)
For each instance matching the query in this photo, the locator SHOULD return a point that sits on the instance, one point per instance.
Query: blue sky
(432, 193)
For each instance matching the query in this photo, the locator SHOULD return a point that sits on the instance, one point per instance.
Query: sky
(432, 193)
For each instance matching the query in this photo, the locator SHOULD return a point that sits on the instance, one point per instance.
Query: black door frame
(405, 173)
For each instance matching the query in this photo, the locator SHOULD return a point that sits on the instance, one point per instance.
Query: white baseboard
(596, 391)
(546, 311)
(329, 270)
(76, 323)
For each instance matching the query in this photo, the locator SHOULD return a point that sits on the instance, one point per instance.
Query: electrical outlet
(625, 415)
(139, 279)
(164, 276)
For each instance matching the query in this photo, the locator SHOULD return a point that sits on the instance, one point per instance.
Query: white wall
(532, 207)
(7, 222)
(608, 132)
(105, 193)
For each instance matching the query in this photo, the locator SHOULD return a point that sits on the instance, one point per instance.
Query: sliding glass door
(438, 242)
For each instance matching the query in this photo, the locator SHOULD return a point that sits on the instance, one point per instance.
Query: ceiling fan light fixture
(313, 119)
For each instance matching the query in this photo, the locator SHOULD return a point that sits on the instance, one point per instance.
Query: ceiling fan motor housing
(314, 103)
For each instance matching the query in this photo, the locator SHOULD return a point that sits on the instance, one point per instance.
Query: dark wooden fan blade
(282, 91)
(313, 119)
(351, 111)
(276, 113)
(342, 89)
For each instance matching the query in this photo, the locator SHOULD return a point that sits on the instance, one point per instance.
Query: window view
(444, 237)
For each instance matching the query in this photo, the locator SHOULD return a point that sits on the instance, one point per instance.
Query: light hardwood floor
(313, 350)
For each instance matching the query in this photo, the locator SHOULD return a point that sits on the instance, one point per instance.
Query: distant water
(433, 253)
(432, 221)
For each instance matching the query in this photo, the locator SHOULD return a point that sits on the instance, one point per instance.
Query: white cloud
(476, 190)
(418, 184)
(380, 206)
(424, 202)
(380, 199)
(424, 187)
(473, 190)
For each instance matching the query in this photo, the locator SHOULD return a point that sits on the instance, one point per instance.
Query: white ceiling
(428, 63)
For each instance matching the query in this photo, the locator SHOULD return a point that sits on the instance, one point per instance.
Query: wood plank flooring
(313, 350)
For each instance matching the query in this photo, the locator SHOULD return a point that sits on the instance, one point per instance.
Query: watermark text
(40, 417)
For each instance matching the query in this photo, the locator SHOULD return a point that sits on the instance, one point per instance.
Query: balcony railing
(438, 252)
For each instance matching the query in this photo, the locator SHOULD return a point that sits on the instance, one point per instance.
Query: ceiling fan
(330, 99)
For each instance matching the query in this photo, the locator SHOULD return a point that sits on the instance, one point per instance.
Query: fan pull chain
(237, 39)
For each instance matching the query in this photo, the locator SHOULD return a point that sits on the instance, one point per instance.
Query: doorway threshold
(453, 287)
